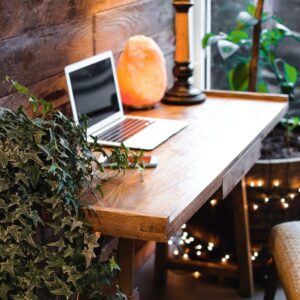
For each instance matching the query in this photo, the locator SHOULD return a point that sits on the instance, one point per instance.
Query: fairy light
(292, 196)
(285, 205)
(255, 207)
(223, 260)
(213, 202)
(276, 183)
(192, 239)
(183, 226)
(198, 247)
(170, 242)
(185, 256)
(299, 189)
(198, 253)
(282, 200)
(253, 257)
(252, 184)
(267, 199)
(255, 254)
(227, 256)
(210, 246)
(196, 274)
(260, 183)
(176, 252)
(181, 242)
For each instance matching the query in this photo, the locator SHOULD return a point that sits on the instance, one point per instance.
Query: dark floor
(185, 286)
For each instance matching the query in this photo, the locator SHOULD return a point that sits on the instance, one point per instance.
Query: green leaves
(239, 77)
(245, 20)
(238, 43)
(290, 73)
(211, 39)
(46, 246)
(227, 48)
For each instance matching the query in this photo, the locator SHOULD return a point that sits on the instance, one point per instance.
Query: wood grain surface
(192, 166)
(39, 38)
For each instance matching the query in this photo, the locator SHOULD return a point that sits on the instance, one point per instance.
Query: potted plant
(47, 249)
(274, 182)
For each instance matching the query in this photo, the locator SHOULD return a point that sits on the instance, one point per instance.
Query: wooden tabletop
(216, 149)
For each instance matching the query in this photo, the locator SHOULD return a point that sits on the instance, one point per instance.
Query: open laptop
(94, 92)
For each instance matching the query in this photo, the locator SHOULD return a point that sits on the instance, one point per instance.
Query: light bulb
(260, 183)
(185, 256)
(198, 253)
(213, 202)
(196, 274)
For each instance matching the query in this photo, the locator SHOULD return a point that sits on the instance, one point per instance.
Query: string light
(255, 207)
(292, 196)
(185, 256)
(176, 252)
(252, 184)
(183, 226)
(223, 260)
(253, 257)
(267, 199)
(227, 256)
(181, 242)
(276, 183)
(170, 242)
(213, 202)
(285, 205)
(260, 183)
(282, 200)
(210, 246)
(198, 247)
(196, 274)
(255, 254)
(198, 253)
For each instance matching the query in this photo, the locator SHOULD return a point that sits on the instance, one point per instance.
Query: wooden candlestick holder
(183, 91)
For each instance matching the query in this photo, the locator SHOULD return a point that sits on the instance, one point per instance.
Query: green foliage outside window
(235, 48)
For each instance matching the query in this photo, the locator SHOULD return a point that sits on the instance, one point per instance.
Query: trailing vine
(47, 249)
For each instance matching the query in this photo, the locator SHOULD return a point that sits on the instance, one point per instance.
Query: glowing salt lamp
(142, 73)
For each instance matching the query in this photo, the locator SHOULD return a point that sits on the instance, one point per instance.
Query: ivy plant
(235, 47)
(47, 249)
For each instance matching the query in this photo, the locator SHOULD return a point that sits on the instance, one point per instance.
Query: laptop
(94, 92)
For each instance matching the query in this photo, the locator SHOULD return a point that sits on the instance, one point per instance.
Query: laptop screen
(94, 91)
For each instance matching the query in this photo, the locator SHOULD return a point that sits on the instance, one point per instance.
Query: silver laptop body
(94, 92)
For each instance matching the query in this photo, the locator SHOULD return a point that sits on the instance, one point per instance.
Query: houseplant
(274, 182)
(235, 48)
(47, 249)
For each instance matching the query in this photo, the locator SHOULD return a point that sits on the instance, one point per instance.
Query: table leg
(126, 263)
(242, 239)
(160, 269)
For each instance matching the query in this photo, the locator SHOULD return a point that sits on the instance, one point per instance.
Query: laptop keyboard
(124, 130)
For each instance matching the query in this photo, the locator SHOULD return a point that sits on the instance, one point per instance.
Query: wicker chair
(285, 249)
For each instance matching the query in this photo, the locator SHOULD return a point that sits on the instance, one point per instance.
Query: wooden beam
(255, 47)
(242, 239)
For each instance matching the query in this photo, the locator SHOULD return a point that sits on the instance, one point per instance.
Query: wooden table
(220, 144)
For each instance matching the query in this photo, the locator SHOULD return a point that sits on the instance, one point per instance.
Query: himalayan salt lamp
(141, 73)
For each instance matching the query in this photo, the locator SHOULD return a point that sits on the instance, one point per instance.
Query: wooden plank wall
(38, 38)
